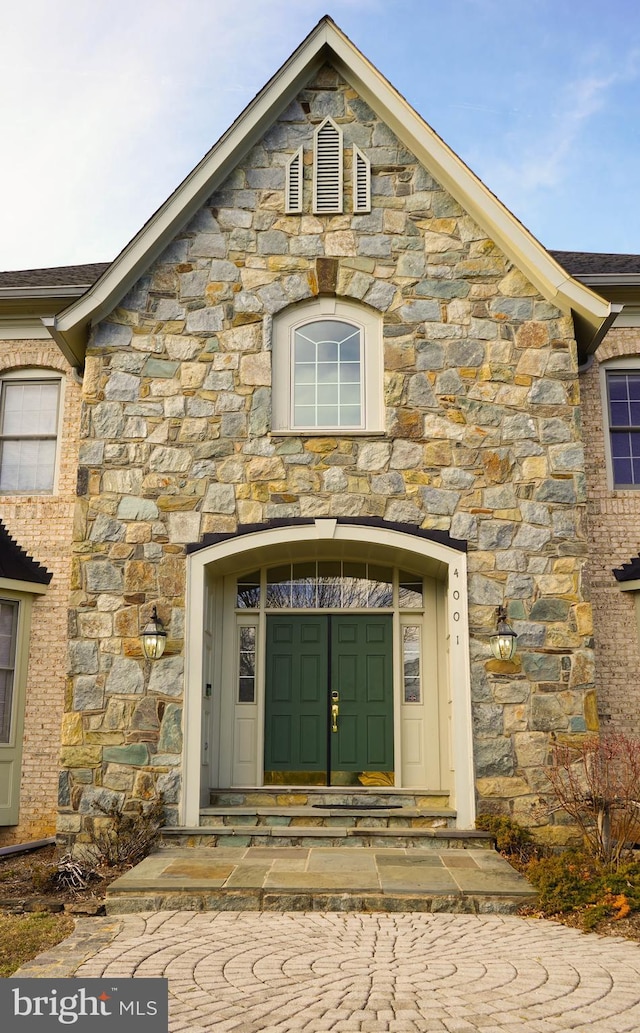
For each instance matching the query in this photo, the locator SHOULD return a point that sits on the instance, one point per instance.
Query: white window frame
(369, 323)
(630, 364)
(37, 374)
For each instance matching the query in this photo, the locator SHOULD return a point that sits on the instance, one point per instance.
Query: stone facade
(483, 440)
(614, 538)
(43, 525)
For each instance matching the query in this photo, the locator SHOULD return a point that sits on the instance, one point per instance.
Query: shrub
(512, 839)
(74, 874)
(597, 783)
(129, 836)
(575, 881)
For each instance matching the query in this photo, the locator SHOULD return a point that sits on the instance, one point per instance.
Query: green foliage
(574, 885)
(576, 882)
(512, 839)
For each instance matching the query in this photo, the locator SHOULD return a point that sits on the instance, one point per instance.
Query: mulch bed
(26, 885)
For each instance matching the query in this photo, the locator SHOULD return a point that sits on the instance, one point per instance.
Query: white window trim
(36, 373)
(370, 324)
(632, 364)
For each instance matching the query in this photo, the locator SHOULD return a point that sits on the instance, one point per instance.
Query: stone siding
(483, 441)
(614, 538)
(43, 525)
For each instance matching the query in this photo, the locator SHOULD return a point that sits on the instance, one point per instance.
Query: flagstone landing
(254, 878)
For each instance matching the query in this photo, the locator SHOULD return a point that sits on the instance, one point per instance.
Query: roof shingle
(58, 276)
(591, 263)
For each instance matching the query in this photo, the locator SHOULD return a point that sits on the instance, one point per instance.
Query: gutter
(608, 279)
(594, 343)
(58, 291)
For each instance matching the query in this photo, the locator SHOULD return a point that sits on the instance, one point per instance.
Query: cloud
(107, 106)
(543, 161)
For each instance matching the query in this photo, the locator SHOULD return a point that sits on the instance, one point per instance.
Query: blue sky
(108, 104)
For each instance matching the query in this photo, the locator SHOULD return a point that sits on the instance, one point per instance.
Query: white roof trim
(325, 42)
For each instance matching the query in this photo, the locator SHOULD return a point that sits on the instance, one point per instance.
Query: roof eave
(72, 344)
(608, 279)
(587, 339)
(62, 292)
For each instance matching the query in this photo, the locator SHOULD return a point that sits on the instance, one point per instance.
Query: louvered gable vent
(293, 190)
(327, 171)
(361, 181)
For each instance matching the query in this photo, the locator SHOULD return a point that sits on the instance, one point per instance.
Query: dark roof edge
(441, 537)
(628, 571)
(17, 565)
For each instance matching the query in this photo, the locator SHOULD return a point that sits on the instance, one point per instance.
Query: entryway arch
(225, 730)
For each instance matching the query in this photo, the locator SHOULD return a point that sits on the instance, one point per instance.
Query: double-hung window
(327, 369)
(29, 417)
(623, 407)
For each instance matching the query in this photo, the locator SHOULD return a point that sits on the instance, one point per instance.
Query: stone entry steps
(320, 879)
(322, 817)
(272, 849)
(312, 817)
(282, 796)
(238, 835)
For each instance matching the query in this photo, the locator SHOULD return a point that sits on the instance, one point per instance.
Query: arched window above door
(329, 584)
(327, 369)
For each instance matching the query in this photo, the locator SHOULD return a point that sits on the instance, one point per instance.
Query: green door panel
(362, 674)
(296, 695)
(308, 658)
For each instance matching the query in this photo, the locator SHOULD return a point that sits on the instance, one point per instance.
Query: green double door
(316, 663)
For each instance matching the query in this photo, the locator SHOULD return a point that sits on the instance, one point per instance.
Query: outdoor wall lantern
(503, 641)
(153, 637)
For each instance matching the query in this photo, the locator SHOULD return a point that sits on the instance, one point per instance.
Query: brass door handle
(334, 717)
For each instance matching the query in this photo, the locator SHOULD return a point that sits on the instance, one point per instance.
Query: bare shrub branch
(129, 837)
(597, 783)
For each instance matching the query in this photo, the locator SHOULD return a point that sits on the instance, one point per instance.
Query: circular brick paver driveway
(272, 973)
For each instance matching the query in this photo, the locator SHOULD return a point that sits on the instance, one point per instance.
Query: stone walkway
(260, 972)
(319, 879)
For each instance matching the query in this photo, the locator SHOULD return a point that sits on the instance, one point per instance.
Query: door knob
(334, 717)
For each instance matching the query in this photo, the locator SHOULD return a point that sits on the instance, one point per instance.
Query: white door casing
(209, 565)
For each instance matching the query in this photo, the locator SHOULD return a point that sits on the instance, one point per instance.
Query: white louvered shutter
(361, 181)
(327, 170)
(293, 188)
